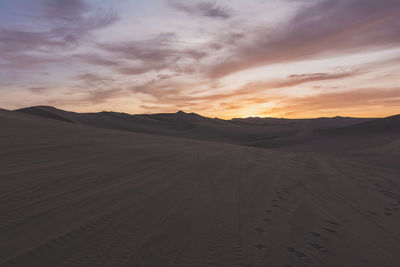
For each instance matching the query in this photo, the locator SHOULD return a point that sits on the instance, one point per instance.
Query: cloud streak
(68, 22)
(329, 27)
(356, 102)
(155, 54)
(56, 26)
(202, 8)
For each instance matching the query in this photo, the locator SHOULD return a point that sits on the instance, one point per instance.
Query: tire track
(225, 248)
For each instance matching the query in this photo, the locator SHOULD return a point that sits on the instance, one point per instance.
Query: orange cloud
(366, 102)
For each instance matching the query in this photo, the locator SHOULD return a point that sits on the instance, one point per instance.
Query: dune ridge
(258, 132)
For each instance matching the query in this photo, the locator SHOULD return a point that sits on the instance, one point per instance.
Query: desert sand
(75, 194)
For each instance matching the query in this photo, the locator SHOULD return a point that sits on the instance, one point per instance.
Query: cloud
(176, 91)
(100, 60)
(363, 101)
(154, 49)
(202, 8)
(55, 26)
(66, 23)
(299, 79)
(90, 78)
(63, 9)
(103, 95)
(329, 27)
(97, 88)
(21, 61)
(154, 54)
(39, 89)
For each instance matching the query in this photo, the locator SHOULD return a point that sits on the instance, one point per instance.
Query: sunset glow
(267, 58)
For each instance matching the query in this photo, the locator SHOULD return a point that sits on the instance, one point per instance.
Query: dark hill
(258, 132)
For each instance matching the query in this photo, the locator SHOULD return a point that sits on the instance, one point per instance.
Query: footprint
(269, 211)
(332, 231)
(316, 234)
(388, 213)
(290, 249)
(267, 219)
(317, 246)
(300, 254)
(286, 191)
(260, 246)
(297, 253)
(333, 223)
(275, 206)
(388, 193)
(259, 230)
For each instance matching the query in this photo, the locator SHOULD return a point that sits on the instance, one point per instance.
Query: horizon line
(186, 112)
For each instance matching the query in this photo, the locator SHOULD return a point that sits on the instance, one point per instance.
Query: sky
(236, 58)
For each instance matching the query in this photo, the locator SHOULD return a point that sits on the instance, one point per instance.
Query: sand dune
(364, 135)
(382, 126)
(73, 195)
(258, 132)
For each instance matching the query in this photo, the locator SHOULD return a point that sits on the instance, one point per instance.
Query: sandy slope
(267, 132)
(367, 136)
(72, 195)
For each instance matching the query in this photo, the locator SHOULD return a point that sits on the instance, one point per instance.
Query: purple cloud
(58, 26)
(329, 27)
(154, 54)
(203, 8)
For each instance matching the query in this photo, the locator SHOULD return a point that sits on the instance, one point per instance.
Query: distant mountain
(323, 122)
(369, 134)
(377, 126)
(180, 124)
(45, 111)
(258, 132)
